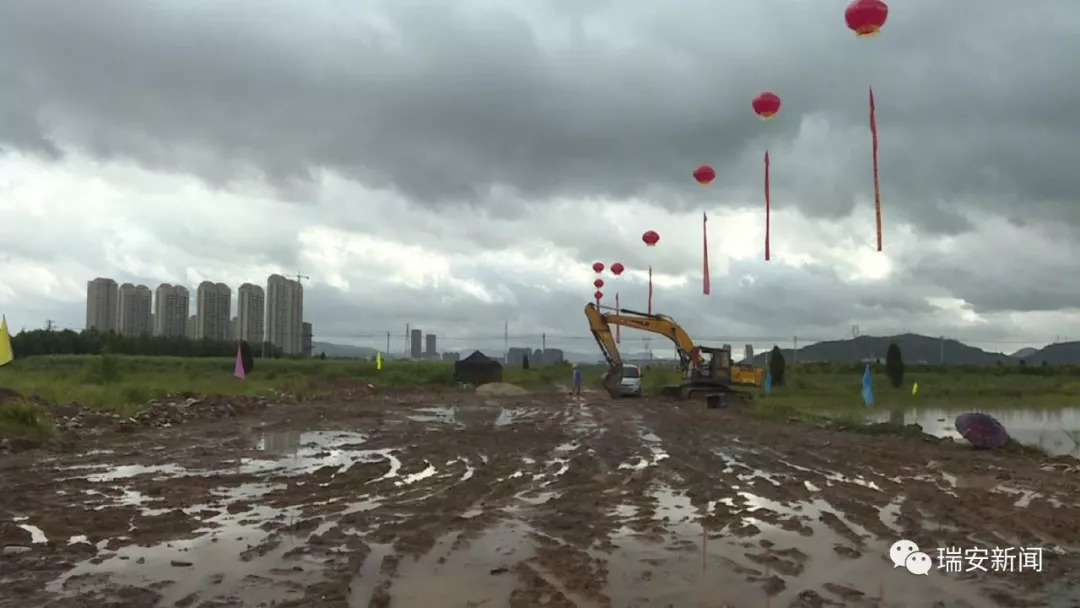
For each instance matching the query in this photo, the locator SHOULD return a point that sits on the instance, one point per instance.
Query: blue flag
(867, 388)
(768, 382)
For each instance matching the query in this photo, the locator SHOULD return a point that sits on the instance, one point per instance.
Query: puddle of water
(508, 415)
(440, 414)
(655, 456)
(37, 537)
(1055, 430)
(692, 565)
(412, 478)
(307, 453)
(475, 572)
(218, 563)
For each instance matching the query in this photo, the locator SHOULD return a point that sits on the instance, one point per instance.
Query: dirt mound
(501, 389)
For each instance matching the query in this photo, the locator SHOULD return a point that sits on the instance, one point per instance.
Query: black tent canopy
(477, 369)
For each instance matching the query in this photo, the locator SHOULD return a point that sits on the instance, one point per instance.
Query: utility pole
(49, 324)
(543, 342)
(506, 342)
(794, 350)
(388, 344)
(942, 350)
(406, 340)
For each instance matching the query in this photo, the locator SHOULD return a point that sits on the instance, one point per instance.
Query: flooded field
(1055, 430)
(532, 501)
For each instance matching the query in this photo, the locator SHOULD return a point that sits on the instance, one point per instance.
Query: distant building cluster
(421, 347)
(516, 357)
(273, 315)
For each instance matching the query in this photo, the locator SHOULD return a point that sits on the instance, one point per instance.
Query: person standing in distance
(577, 381)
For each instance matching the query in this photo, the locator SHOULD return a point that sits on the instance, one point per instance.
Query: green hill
(918, 350)
(1062, 353)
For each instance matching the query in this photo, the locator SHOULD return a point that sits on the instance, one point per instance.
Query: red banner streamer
(877, 184)
(768, 206)
(705, 255)
(617, 311)
(650, 290)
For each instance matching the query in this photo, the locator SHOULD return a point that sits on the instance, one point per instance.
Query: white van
(630, 383)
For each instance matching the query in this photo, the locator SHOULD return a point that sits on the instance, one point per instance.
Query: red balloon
(704, 174)
(866, 17)
(650, 238)
(598, 295)
(598, 267)
(598, 283)
(766, 105)
(617, 268)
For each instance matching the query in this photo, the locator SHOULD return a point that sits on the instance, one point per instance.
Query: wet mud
(445, 500)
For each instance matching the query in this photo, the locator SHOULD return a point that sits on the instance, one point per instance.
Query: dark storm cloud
(449, 101)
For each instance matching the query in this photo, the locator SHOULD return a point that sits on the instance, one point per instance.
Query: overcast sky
(460, 164)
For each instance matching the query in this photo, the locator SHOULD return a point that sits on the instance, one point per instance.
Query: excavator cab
(713, 365)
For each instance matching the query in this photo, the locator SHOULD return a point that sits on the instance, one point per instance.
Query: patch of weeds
(23, 419)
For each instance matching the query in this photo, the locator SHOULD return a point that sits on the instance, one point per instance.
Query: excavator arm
(600, 324)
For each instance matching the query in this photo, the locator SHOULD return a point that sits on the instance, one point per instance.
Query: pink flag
(238, 371)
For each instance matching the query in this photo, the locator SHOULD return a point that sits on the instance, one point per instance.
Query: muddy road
(450, 500)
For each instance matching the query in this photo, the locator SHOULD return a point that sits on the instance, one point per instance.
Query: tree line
(93, 342)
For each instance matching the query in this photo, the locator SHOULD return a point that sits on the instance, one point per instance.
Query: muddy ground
(451, 500)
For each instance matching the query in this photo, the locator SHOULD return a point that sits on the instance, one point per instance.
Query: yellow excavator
(709, 372)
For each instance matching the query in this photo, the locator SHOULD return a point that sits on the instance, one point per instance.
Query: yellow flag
(914, 389)
(378, 361)
(6, 356)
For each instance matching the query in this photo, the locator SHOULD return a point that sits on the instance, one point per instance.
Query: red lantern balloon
(598, 283)
(598, 295)
(766, 105)
(598, 267)
(704, 174)
(650, 238)
(866, 17)
(617, 268)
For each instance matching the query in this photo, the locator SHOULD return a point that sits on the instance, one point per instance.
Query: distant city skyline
(273, 315)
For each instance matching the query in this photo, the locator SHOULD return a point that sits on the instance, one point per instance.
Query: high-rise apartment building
(285, 314)
(213, 308)
(134, 304)
(193, 327)
(172, 304)
(102, 304)
(306, 337)
(415, 338)
(429, 347)
(251, 313)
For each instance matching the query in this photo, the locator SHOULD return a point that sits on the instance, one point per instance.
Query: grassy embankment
(122, 384)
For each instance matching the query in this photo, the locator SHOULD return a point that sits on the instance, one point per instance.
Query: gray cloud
(459, 102)
(519, 130)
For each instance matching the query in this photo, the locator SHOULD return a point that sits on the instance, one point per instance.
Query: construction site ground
(437, 499)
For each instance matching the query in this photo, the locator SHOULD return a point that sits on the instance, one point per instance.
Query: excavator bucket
(611, 380)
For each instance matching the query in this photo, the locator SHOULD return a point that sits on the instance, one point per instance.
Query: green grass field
(124, 383)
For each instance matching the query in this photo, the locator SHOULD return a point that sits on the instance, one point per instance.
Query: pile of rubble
(161, 413)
